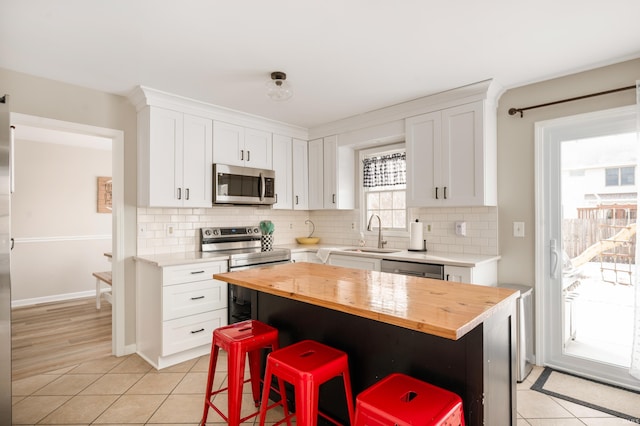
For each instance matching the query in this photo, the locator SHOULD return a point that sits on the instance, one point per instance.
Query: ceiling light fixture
(278, 88)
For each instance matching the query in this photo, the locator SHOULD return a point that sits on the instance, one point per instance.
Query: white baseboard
(53, 298)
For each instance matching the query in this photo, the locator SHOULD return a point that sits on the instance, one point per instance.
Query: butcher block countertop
(441, 308)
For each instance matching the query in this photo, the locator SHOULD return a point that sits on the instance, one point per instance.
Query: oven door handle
(262, 187)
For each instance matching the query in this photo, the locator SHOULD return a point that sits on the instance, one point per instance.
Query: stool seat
(402, 400)
(239, 340)
(307, 365)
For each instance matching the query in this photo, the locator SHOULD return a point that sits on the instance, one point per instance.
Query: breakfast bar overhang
(456, 336)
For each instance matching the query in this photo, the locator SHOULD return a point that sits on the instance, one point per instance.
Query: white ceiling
(342, 57)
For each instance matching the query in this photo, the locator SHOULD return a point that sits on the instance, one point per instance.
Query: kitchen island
(457, 336)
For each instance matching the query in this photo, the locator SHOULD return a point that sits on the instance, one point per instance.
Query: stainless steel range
(242, 245)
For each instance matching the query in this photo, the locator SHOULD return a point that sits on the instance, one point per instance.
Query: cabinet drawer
(190, 332)
(182, 300)
(193, 272)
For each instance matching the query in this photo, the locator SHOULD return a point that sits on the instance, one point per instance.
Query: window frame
(362, 191)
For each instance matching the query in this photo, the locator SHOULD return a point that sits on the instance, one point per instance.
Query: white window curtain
(385, 170)
(635, 354)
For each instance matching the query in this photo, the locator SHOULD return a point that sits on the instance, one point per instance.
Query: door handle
(555, 258)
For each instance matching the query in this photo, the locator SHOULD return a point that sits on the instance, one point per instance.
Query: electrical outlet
(142, 231)
(169, 229)
(291, 226)
(429, 227)
(353, 225)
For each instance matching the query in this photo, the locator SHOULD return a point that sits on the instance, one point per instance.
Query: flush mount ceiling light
(278, 88)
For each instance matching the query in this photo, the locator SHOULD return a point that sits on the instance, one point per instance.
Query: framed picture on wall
(104, 194)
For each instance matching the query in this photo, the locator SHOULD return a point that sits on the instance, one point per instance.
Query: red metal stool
(306, 365)
(402, 401)
(238, 340)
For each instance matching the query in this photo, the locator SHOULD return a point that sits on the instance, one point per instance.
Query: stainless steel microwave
(243, 185)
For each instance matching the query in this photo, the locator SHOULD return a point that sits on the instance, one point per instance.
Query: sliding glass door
(586, 209)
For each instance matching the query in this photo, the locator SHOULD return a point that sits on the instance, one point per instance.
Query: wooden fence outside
(580, 234)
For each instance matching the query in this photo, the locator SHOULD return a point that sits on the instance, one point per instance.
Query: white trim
(547, 315)
(61, 238)
(117, 252)
(53, 298)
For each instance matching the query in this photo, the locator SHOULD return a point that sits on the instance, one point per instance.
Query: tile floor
(127, 390)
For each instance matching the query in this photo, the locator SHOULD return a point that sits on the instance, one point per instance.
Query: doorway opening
(117, 230)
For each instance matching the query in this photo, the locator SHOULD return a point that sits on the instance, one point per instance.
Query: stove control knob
(249, 230)
(216, 232)
(255, 231)
(207, 232)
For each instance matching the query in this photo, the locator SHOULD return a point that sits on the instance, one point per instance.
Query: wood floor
(50, 336)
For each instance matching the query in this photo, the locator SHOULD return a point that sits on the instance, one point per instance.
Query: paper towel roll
(416, 239)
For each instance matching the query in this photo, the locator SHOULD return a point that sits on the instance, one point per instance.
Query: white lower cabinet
(482, 274)
(357, 262)
(177, 309)
(305, 256)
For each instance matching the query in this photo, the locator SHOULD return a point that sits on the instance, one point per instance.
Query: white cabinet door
(228, 144)
(239, 146)
(451, 157)
(316, 174)
(175, 155)
(164, 146)
(197, 161)
(482, 274)
(463, 155)
(283, 166)
(258, 149)
(300, 175)
(331, 175)
(356, 262)
(423, 135)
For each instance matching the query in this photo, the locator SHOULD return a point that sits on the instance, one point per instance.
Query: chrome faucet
(381, 243)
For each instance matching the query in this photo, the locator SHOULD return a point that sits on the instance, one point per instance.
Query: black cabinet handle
(436, 192)
(179, 193)
(445, 192)
(186, 193)
(197, 272)
(197, 331)
(197, 297)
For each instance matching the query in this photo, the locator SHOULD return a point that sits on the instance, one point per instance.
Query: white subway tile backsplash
(333, 227)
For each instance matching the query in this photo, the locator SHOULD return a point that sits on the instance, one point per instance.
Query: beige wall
(516, 197)
(55, 223)
(51, 99)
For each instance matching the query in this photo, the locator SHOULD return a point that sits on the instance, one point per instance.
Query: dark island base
(376, 349)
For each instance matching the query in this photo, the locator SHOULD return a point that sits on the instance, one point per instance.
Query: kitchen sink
(372, 250)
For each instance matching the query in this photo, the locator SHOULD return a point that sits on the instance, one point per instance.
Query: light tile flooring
(127, 390)
(538, 409)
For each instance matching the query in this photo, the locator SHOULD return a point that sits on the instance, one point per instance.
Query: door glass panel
(598, 247)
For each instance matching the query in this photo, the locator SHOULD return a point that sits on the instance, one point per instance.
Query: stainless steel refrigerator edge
(6, 135)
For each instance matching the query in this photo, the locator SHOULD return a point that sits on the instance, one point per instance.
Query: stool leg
(236, 379)
(265, 394)
(348, 396)
(213, 359)
(254, 369)
(97, 293)
(307, 404)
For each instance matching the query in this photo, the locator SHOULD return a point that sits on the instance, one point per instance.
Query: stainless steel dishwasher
(416, 269)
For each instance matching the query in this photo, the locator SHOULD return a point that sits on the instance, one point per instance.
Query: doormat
(609, 399)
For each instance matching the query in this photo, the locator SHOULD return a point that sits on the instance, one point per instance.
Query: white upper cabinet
(316, 174)
(240, 146)
(331, 175)
(451, 157)
(175, 155)
(283, 166)
(300, 175)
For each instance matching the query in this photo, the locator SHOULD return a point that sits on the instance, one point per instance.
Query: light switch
(518, 229)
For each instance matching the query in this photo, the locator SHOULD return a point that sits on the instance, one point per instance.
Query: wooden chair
(103, 277)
